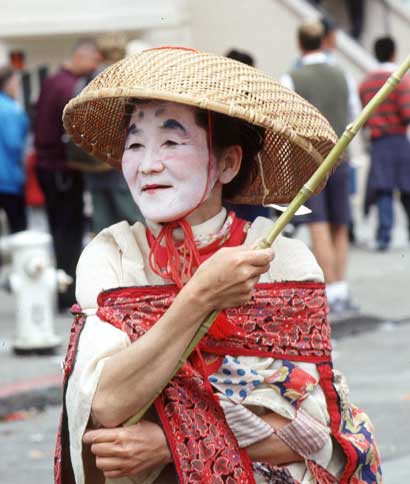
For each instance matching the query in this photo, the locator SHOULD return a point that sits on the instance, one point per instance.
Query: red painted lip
(154, 187)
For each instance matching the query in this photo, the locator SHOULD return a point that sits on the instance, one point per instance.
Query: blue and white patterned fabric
(235, 380)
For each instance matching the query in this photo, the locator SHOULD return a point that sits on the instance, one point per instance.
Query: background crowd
(39, 165)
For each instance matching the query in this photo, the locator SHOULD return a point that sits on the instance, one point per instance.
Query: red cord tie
(181, 259)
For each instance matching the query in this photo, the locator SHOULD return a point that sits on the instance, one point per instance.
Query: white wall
(264, 28)
(56, 17)
(46, 29)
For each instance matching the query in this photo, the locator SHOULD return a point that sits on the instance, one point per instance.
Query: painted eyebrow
(173, 124)
(132, 129)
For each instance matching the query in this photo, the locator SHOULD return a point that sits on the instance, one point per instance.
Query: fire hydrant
(34, 281)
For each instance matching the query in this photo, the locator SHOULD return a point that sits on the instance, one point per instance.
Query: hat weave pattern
(297, 136)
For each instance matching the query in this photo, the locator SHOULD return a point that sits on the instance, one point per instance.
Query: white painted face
(165, 161)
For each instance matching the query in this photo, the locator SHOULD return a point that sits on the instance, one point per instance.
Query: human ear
(229, 163)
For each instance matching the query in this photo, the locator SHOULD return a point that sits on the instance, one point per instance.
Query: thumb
(257, 244)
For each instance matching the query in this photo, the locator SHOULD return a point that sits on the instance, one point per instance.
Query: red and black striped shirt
(393, 115)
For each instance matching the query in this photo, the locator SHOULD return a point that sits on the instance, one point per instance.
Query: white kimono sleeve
(98, 341)
(99, 268)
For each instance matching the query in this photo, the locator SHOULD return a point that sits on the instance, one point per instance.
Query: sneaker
(382, 246)
(342, 306)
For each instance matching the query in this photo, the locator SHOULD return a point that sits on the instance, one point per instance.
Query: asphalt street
(377, 366)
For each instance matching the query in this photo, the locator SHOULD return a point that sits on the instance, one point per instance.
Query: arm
(227, 279)
(273, 449)
(287, 81)
(354, 102)
(403, 103)
(273, 438)
(126, 451)
(130, 450)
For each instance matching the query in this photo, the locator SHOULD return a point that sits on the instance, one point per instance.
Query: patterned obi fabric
(287, 321)
(283, 320)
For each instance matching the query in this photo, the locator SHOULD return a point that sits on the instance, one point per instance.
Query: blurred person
(14, 127)
(62, 186)
(356, 12)
(111, 199)
(329, 35)
(329, 45)
(328, 48)
(241, 56)
(247, 212)
(324, 85)
(389, 145)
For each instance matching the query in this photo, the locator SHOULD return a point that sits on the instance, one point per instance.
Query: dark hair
(112, 46)
(6, 73)
(310, 35)
(240, 56)
(226, 131)
(384, 49)
(329, 25)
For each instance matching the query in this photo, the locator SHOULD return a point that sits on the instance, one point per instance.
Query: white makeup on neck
(165, 161)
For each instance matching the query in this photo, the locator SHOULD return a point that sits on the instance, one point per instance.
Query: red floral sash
(284, 320)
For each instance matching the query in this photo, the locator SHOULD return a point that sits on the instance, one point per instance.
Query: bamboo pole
(305, 192)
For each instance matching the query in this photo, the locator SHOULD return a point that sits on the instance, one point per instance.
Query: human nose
(150, 163)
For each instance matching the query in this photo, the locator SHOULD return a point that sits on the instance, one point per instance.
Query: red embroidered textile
(63, 472)
(283, 320)
(176, 262)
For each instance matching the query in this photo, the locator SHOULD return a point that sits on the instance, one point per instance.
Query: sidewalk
(32, 380)
(379, 283)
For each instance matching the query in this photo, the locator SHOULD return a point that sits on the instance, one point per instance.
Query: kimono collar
(178, 249)
(200, 232)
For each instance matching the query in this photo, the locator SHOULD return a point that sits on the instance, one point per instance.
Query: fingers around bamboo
(226, 278)
(259, 257)
(229, 260)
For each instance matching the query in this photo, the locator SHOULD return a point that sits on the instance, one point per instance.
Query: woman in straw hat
(257, 400)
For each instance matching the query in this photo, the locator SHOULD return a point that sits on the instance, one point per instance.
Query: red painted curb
(36, 383)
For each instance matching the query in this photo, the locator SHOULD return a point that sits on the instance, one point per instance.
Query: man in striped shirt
(389, 131)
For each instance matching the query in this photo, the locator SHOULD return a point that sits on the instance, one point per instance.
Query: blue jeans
(386, 218)
(386, 215)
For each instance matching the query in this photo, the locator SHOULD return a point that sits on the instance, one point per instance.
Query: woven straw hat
(297, 136)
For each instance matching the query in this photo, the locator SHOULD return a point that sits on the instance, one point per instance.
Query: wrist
(194, 295)
(166, 455)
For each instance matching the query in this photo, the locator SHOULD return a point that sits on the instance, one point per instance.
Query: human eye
(170, 142)
(134, 146)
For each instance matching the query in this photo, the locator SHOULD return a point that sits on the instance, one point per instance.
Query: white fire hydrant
(34, 281)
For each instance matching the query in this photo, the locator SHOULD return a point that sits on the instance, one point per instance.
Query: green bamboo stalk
(305, 192)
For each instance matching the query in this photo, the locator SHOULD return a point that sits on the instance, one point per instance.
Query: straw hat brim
(297, 136)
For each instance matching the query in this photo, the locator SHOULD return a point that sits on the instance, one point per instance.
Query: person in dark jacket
(63, 187)
(326, 87)
(111, 199)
